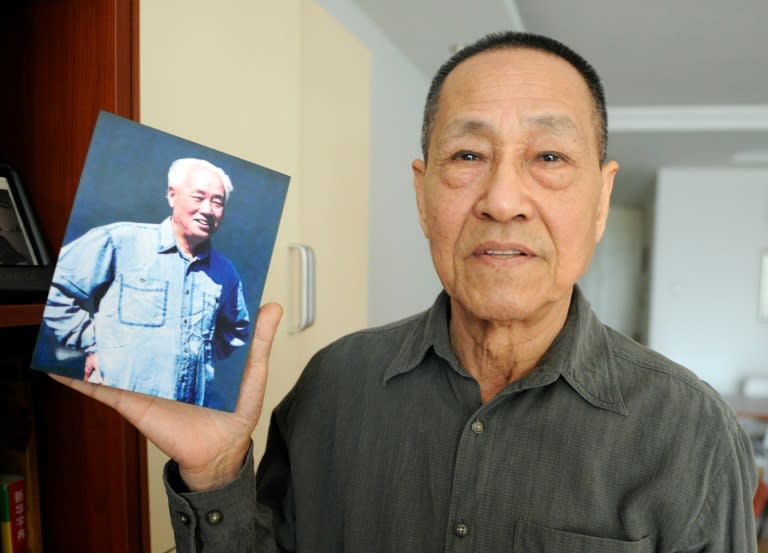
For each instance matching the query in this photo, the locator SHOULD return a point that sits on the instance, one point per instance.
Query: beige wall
(280, 84)
(334, 172)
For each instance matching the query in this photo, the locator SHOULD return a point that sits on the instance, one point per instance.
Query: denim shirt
(156, 320)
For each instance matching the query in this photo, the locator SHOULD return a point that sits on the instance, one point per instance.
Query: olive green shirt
(384, 445)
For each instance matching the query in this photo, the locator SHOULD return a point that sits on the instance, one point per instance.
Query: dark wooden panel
(67, 60)
(20, 315)
(88, 466)
(62, 61)
(66, 50)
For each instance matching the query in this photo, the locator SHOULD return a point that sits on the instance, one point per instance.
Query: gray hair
(180, 168)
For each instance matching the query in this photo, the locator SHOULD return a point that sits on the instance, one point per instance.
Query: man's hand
(208, 445)
(92, 372)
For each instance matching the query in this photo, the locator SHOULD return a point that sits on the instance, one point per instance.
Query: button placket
(465, 477)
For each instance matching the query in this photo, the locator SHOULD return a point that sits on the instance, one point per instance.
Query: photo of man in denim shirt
(154, 306)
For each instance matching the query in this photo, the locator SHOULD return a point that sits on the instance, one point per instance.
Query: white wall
(402, 280)
(710, 227)
(615, 282)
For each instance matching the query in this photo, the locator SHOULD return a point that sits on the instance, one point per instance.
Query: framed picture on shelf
(25, 267)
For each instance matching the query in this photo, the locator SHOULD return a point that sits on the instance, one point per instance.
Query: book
(155, 290)
(13, 524)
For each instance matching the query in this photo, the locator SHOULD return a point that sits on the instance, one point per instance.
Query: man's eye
(467, 156)
(550, 157)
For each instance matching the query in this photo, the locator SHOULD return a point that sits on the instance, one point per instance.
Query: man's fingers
(266, 327)
(131, 405)
(255, 374)
(87, 389)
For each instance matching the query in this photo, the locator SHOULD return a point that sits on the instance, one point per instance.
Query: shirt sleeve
(251, 514)
(726, 520)
(84, 266)
(232, 324)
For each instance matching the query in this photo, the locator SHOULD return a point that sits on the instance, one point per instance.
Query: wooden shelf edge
(21, 314)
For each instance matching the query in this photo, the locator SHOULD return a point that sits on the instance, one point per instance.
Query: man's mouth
(504, 253)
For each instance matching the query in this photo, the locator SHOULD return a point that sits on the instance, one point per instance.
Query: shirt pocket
(532, 538)
(211, 306)
(143, 301)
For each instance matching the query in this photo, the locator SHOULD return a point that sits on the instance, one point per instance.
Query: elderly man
(153, 306)
(504, 418)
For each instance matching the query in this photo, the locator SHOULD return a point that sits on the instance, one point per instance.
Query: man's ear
(419, 167)
(171, 196)
(608, 175)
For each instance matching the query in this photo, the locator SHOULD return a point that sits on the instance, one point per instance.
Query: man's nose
(505, 194)
(206, 207)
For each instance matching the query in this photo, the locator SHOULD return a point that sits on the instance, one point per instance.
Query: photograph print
(16, 246)
(163, 264)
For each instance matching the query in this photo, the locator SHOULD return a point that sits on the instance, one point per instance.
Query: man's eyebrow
(548, 121)
(466, 126)
(553, 122)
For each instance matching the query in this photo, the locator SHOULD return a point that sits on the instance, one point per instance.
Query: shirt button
(184, 518)
(460, 529)
(478, 427)
(214, 517)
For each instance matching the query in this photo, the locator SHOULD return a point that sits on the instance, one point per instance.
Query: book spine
(13, 524)
(5, 519)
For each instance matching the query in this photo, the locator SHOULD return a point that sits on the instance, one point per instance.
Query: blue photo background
(125, 179)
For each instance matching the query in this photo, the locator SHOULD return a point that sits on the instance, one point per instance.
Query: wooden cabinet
(62, 61)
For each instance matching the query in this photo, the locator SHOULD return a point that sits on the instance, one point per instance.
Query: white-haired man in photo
(153, 306)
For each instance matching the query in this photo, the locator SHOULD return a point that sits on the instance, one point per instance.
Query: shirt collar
(429, 330)
(581, 354)
(168, 241)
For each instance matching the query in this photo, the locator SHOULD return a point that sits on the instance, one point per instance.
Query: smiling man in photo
(153, 306)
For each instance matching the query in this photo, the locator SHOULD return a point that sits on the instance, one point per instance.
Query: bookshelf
(62, 61)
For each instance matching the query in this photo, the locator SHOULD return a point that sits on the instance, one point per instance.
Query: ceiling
(686, 80)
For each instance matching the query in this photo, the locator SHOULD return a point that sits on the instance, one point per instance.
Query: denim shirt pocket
(205, 311)
(532, 538)
(143, 301)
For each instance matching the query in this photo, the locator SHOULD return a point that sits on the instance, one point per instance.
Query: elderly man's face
(513, 198)
(197, 206)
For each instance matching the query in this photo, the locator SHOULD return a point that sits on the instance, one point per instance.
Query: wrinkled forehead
(541, 86)
(520, 73)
